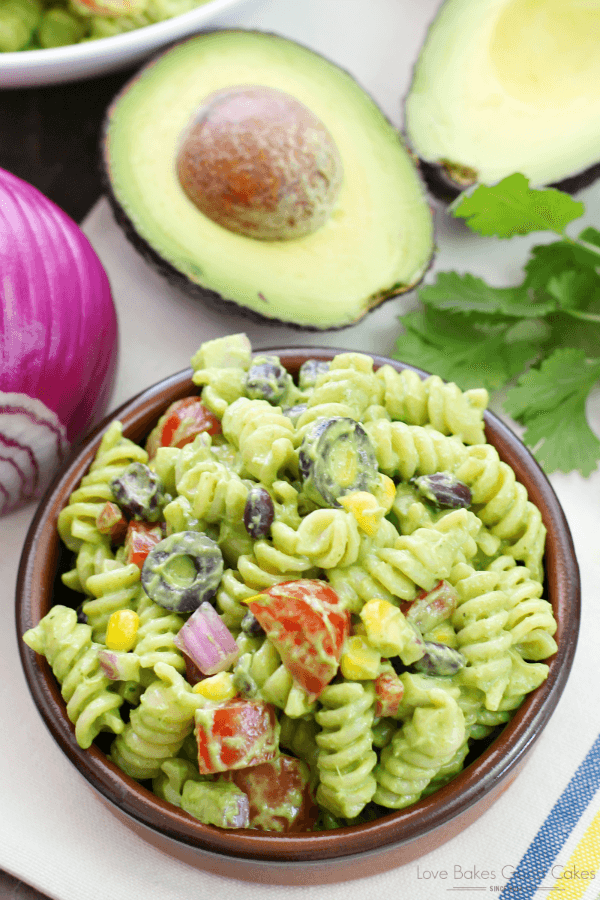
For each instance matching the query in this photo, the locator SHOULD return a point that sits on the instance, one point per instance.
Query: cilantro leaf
(574, 289)
(550, 396)
(471, 352)
(511, 207)
(467, 294)
(590, 236)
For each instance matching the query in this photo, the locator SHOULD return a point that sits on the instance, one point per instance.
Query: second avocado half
(252, 171)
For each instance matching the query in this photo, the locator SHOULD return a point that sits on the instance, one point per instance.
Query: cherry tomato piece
(180, 424)
(279, 794)
(236, 734)
(110, 520)
(389, 691)
(307, 625)
(141, 537)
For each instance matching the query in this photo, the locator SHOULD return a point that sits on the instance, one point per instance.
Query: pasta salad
(302, 603)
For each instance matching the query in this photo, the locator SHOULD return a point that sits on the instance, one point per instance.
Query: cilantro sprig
(538, 342)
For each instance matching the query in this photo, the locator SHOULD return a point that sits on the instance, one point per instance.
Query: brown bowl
(320, 857)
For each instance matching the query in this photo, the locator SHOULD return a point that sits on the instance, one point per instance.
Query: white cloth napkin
(55, 832)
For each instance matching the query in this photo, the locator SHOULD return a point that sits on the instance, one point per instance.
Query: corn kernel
(389, 631)
(217, 687)
(359, 661)
(122, 628)
(365, 509)
(385, 493)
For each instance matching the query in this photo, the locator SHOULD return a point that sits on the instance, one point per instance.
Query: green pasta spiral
(261, 674)
(408, 450)
(230, 598)
(174, 774)
(91, 559)
(503, 506)
(432, 401)
(155, 638)
(479, 621)
(300, 737)
(275, 560)
(219, 368)
(531, 619)
(214, 492)
(346, 757)
(116, 587)
(421, 750)
(158, 726)
(67, 645)
(420, 560)
(263, 435)
(329, 538)
(348, 389)
(77, 521)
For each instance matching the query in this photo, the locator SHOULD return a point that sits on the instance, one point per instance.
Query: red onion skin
(59, 335)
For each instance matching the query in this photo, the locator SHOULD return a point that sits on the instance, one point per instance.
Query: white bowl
(57, 65)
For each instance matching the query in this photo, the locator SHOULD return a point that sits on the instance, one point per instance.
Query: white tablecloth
(55, 833)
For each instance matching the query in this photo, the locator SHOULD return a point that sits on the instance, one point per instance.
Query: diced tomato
(389, 691)
(305, 622)
(429, 608)
(279, 794)
(180, 424)
(236, 734)
(141, 537)
(110, 520)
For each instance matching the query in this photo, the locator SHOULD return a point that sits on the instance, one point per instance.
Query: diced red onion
(58, 339)
(207, 641)
(118, 665)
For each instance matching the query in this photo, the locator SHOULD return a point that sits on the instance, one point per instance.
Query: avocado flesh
(504, 86)
(378, 241)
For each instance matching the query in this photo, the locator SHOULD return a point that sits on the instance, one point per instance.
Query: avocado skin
(444, 190)
(180, 281)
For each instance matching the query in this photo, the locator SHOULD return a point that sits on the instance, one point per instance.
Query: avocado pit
(258, 162)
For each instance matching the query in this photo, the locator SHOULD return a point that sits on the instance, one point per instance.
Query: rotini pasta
(421, 750)
(262, 674)
(116, 587)
(263, 435)
(158, 726)
(434, 402)
(530, 621)
(346, 757)
(67, 645)
(77, 521)
(349, 388)
(407, 450)
(479, 621)
(503, 507)
(272, 591)
(155, 639)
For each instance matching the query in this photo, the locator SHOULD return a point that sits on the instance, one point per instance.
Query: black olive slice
(182, 571)
(139, 492)
(336, 458)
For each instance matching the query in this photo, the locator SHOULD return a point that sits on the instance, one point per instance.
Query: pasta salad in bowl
(296, 606)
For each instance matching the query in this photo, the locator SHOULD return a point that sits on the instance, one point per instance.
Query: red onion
(58, 339)
(207, 641)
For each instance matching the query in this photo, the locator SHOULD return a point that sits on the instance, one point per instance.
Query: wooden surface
(50, 137)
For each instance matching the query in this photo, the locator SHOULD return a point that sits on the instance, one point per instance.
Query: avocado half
(377, 241)
(504, 86)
